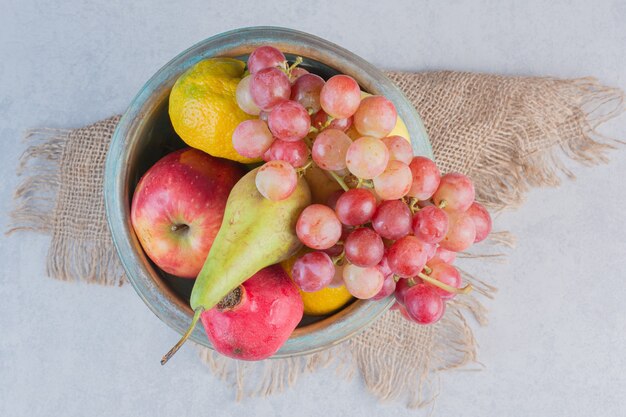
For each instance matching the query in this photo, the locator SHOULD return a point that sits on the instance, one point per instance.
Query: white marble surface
(556, 341)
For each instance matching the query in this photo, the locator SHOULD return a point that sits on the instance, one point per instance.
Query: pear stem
(465, 290)
(339, 180)
(194, 321)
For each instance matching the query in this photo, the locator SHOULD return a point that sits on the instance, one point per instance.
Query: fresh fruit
(295, 153)
(252, 138)
(340, 96)
(423, 304)
(430, 224)
(269, 87)
(388, 288)
(355, 206)
(178, 206)
(456, 191)
(364, 247)
(482, 221)
(203, 108)
(276, 180)
(324, 301)
(394, 182)
(363, 283)
(426, 178)
(443, 255)
(392, 219)
(244, 97)
(447, 274)
(318, 227)
(376, 117)
(289, 121)
(255, 233)
(265, 57)
(407, 256)
(313, 271)
(367, 157)
(306, 91)
(254, 320)
(330, 149)
(399, 149)
(461, 232)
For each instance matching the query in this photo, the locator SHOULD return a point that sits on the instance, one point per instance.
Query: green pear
(255, 233)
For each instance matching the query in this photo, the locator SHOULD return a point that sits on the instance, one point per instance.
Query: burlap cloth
(507, 133)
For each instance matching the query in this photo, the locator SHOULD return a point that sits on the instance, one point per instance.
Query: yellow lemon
(319, 303)
(203, 107)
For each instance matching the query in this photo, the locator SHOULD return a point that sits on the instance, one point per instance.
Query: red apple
(255, 320)
(178, 207)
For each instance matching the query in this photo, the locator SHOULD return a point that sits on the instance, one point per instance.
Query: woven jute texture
(507, 133)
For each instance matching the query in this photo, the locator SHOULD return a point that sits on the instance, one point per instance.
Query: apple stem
(465, 290)
(179, 227)
(339, 180)
(194, 321)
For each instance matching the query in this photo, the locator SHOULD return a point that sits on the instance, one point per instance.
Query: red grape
(296, 73)
(389, 286)
(426, 178)
(265, 57)
(330, 149)
(361, 282)
(447, 274)
(364, 247)
(244, 97)
(306, 91)
(399, 149)
(367, 157)
(269, 87)
(341, 124)
(443, 255)
(394, 182)
(340, 97)
(402, 310)
(313, 271)
(252, 138)
(376, 117)
(383, 265)
(423, 304)
(392, 219)
(457, 190)
(337, 278)
(318, 227)
(289, 121)
(430, 224)
(407, 256)
(296, 153)
(333, 198)
(482, 221)
(461, 232)
(356, 206)
(402, 286)
(276, 180)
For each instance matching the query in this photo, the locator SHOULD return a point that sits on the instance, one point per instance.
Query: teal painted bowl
(145, 134)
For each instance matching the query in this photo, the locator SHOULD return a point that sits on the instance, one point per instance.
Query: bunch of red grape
(398, 223)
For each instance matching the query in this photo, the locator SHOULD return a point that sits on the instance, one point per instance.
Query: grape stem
(465, 290)
(303, 168)
(338, 260)
(442, 204)
(339, 180)
(413, 205)
(427, 269)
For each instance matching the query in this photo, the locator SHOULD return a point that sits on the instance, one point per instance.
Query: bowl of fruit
(280, 191)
